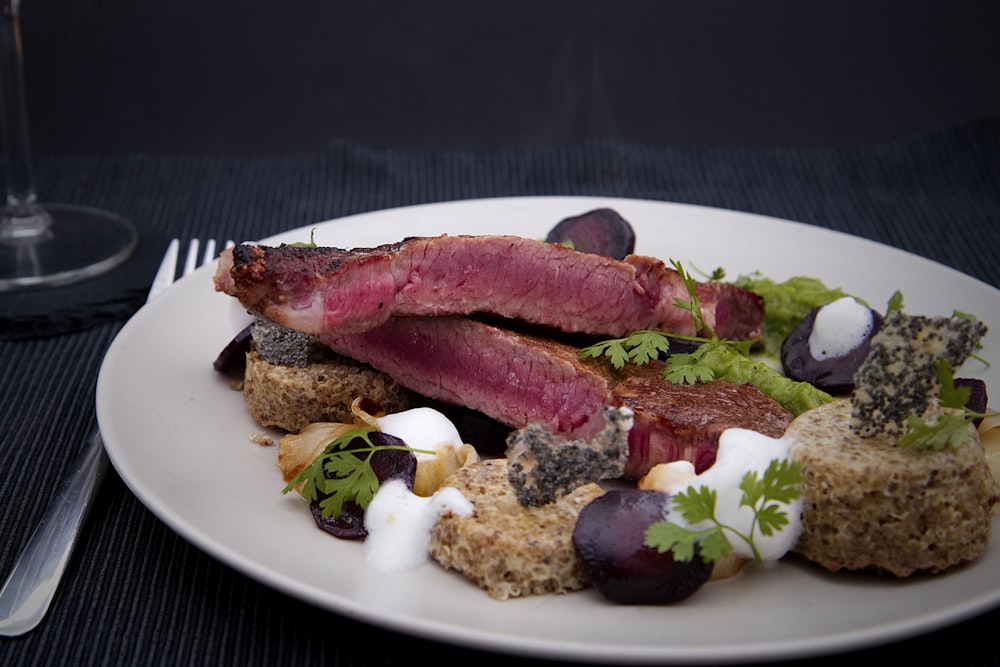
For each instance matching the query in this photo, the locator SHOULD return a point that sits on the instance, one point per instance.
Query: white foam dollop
(839, 327)
(399, 524)
(421, 428)
(741, 451)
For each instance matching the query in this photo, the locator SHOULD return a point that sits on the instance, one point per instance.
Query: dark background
(254, 77)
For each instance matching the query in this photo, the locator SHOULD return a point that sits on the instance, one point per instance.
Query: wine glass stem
(21, 205)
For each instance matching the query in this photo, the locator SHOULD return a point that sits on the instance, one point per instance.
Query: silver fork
(31, 585)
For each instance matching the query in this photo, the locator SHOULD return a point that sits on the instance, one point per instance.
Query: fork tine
(166, 273)
(190, 262)
(194, 259)
(209, 253)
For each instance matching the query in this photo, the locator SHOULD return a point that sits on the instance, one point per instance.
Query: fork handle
(32, 584)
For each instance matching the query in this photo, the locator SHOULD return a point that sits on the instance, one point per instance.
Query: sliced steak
(521, 380)
(334, 291)
(515, 378)
(683, 422)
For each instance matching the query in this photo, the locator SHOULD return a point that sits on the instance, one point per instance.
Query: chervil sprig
(951, 429)
(640, 348)
(343, 472)
(692, 303)
(713, 359)
(764, 495)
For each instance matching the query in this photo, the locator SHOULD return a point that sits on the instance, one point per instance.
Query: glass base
(59, 244)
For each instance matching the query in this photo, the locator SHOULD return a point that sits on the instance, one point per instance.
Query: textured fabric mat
(137, 594)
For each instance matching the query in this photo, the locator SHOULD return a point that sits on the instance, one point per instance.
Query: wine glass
(44, 245)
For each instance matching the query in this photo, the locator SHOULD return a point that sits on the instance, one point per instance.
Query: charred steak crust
(683, 422)
(330, 290)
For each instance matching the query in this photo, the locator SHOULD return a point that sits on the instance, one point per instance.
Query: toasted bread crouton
(291, 397)
(506, 548)
(869, 504)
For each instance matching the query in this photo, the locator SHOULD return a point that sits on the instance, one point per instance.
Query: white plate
(179, 436)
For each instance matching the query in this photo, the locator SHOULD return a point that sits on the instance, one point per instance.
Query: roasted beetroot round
(234, 355)
(833, 374)
(610, 539)
(599, 232)
(978, 396)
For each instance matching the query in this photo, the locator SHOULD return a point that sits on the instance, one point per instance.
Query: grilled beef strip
(681, 422)
(523, 380)
(513, 377)
(333, 291)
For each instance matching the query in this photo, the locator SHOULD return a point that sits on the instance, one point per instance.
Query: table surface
(240, 121)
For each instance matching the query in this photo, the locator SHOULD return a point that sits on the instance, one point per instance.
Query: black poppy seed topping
(280, 346)
(544, 466)
(899, 378)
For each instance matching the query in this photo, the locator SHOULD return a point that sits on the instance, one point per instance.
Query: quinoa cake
(506, 548)
(869, 504)
(291, 397)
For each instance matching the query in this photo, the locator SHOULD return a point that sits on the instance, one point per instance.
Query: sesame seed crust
(898, 377)
(544, 466)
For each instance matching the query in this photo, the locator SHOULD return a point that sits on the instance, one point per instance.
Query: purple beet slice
(234, 355)
(599, 232)
(978, 396)
(835, 374)
(609, 537)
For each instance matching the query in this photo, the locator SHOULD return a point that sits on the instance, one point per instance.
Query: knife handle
(31, 586)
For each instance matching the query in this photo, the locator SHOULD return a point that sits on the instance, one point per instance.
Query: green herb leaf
(951, 429)
(647, 346)
(639, 348)
(613, 349)
(895, 303)
(964, 316)
(780, 484)
(688, 368)
(722, 360)
(950, 396)
(312, 241)
(715, 546)
(697, 505)
(664, 536)
(343, 472)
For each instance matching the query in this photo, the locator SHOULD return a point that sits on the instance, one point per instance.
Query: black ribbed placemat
(136, 593)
